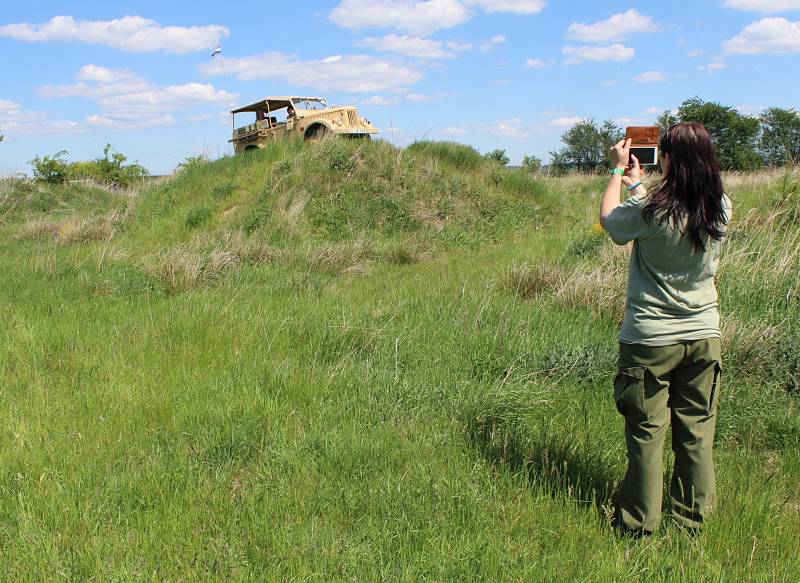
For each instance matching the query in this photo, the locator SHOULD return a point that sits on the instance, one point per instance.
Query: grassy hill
(349, 361)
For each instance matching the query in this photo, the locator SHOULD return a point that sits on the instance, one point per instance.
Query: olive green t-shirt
(671, 293)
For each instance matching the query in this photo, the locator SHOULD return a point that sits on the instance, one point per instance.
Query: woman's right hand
(620, 153)
(633, 174)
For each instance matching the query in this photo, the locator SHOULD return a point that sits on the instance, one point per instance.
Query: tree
(559, 163)
(780, 136)
(51, 169)
(666, 120)
(587, 145)
(735, 136)
(532, 164)
(499, 156)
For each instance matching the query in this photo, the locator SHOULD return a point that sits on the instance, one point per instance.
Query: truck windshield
(305, 103)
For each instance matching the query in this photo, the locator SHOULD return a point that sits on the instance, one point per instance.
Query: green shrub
(111, 169)
(458, 155)
(51, 169)
(197, 216)
(498, 157)
(223, 190)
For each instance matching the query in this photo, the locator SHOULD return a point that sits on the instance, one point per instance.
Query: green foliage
(586, 146)
(559, 163)
(735, 135)
(193, 162)
(223, 190)
(338, 157)
(666, 120)
(532, 164)
(498, 157)
(780, 136)
(197, 216)
(456, 155)
(110, 169)
(51, 169)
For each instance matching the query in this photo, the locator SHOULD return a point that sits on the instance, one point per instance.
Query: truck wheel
(316, 132)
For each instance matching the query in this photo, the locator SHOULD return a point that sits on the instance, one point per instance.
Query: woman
(669, 360)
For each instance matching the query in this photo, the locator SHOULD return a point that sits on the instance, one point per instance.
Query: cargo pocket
(713, 397)
(629, 392)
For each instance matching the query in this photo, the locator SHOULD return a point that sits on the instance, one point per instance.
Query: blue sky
(512, 74)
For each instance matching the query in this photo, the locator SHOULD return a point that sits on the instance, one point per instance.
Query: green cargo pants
(656, 385)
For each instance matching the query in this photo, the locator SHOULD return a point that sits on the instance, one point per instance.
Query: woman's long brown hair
(690, 193)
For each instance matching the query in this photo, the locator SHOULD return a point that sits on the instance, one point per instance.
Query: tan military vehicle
(279, 118)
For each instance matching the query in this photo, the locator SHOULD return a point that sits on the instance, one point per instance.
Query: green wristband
(620, 171)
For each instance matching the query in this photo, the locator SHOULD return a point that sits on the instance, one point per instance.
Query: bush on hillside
(458, 155)
(51, 169)
(111, 169)
(498, 157)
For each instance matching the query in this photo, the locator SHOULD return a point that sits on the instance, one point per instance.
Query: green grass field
(351, 362)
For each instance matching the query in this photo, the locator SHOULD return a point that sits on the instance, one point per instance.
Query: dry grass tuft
(183, 268)
(530, 281)
(756, 348)
(37, 230)
(75, 230)
(205, 259)
(601, 286)
(347, 258)
(408, 253)
(84, 231)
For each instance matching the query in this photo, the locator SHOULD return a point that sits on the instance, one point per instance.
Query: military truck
(279, 118)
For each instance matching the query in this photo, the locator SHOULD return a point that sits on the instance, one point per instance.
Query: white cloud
(763, 6)
(653, 111)
(749, 109)
(169, 98)
(411, 46)
(616, 28)
(418, 17)
(454, 131)
(563, 122)
(514, 129)
(422, 98)
(717, 64)
(130, 33)
(630, 121)
(610, 82)
(422, 17)
(129, 122)
(615, 52)
(379, 101)
(650, 77)
(95, 82)
(511, 6)
(7, 105)
(694, 53)
(16, 120)
(768, 35)
(537, 64)
(130, 103)
(351, 73)
(491, 44)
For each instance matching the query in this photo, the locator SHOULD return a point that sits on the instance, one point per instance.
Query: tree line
(743, 142)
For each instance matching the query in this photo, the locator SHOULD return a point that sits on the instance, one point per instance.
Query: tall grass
(367, 363)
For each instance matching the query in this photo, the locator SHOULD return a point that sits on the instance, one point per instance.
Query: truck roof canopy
(273, 103)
